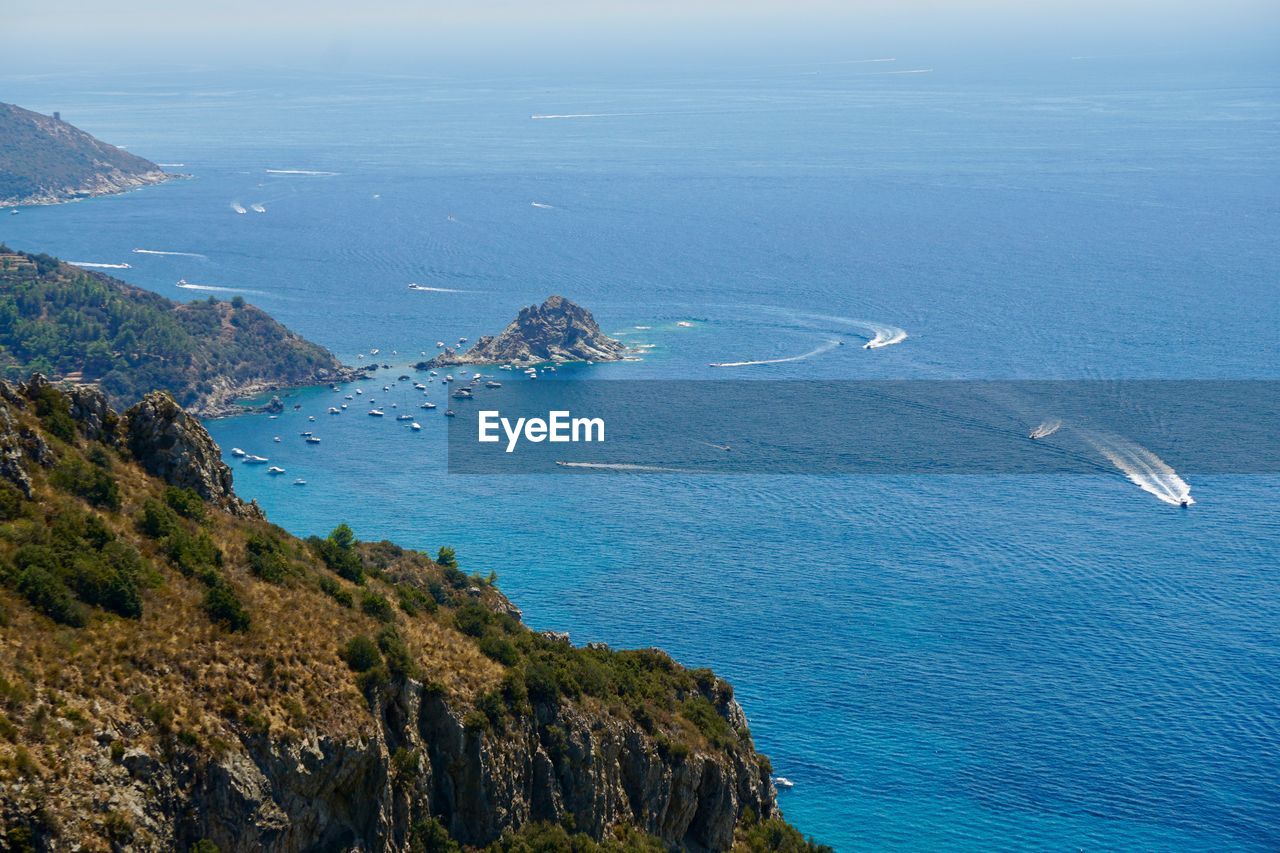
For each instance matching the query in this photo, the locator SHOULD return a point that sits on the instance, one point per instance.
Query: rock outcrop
(555, 331)
(174, 446)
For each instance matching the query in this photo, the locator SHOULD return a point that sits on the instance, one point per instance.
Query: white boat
(448, 377)
(277, 439)
(404, 417)
(462, 340)
(415, 426)
(359, 390)
(374, 351)
(344, 405)
(235, 451)
(334, 410)
(250, 459)
(492, 384)
(504, 367)
(313, 439)
(687, 325)
(275, 469)
(386, 387)
(449, 413)
(299, 482)
(783, 782)
(427, 406)
(348, 397)
(433, 373)
(312, 418)
(376, 413)
(439, 345)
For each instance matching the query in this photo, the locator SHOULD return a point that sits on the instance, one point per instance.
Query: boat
(299, 482)
(277, 439)
(250, 459)
(312, 418)
(334, 410)
(305, 434)
(427, 406)
(439, 345)
(448, 377)
(403, 378)
(687, 325)
(348, 397)
(415, 426)
(404, 417)
(462, 394)
(386, 387)
(344, 405)
(275, 469)
(462, 340)
(433, 373)
(783, 782)
(376, 413)
(235, 451)
(359, 390)
(504, 367)
(492, 384)
(450, 413)
(13, 212)
(313, 439)
(374, 351)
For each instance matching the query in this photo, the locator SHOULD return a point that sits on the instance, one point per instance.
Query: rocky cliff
(176, 671)
(555, 331)
(44, 160)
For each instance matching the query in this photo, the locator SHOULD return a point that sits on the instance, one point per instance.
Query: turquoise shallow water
(948, 663)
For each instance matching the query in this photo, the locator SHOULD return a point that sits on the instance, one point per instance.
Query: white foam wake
(1046, 428)
(429, 289)
(880, 334)
(1143, 468)
(826, 347)
(257, 208)
(550, 116)
(618, 466)
(238, 207)
(309, 172)
(174, 254)
(542, 206)
(213, 288)
(91, 266)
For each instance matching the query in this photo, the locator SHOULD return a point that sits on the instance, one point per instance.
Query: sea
(936, 662)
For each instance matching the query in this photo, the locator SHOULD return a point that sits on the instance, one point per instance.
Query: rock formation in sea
(555, 331)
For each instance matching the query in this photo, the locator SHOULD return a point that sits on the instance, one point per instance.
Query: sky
(329, 33)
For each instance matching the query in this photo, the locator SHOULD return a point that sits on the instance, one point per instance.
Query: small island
(45, 160)
(556, 331)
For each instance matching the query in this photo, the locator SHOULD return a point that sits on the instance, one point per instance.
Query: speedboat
(404, 417)
(313, 439)
(439, 345)
(235, 451)
(250, 459)
(783, 782)
(359, 391)
(348, 397)
(299, 482)
(312, 418)
(433, 373)
(427, 406)
(415, 426)
(450, 413)
(334, 410)
(376, 413)
(448, 377)
(462, 340)
(344, 405)
(305, 434)
(374, 351)
(275, 469)
(277, 439)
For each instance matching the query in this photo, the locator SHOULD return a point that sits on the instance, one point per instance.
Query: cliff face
(555, 331)
(174, 672)
(45, 161)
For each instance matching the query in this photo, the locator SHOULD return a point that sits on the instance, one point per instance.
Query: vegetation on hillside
(124, 599)
(58, 320)
(45, 159)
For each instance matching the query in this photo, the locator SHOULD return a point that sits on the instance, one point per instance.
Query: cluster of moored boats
(461, 388)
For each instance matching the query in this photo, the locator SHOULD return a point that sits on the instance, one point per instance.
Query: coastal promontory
(83, 327)
(554, 332)
(44, 160)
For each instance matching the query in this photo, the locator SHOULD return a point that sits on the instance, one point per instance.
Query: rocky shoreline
(555, 332)
(103, 185)
(221, 402)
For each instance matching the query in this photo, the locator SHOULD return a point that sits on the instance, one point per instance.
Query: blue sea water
(972, 662)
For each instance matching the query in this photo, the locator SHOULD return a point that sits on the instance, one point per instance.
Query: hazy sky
(323, 32)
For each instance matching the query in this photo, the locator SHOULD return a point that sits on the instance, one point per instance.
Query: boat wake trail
(89, 266)
(826, 347)
(1143, 468)
(428, 289)
(879, 334)
(257, 208)
(542, 206)
(1045, 429)
(238, 207)
(173, 254)
(213, 288)
(307, 172)
(549, 117)
(619, 466)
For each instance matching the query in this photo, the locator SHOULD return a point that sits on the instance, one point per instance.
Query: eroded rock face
(555, 331)
(174, 446)
(320, 793)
